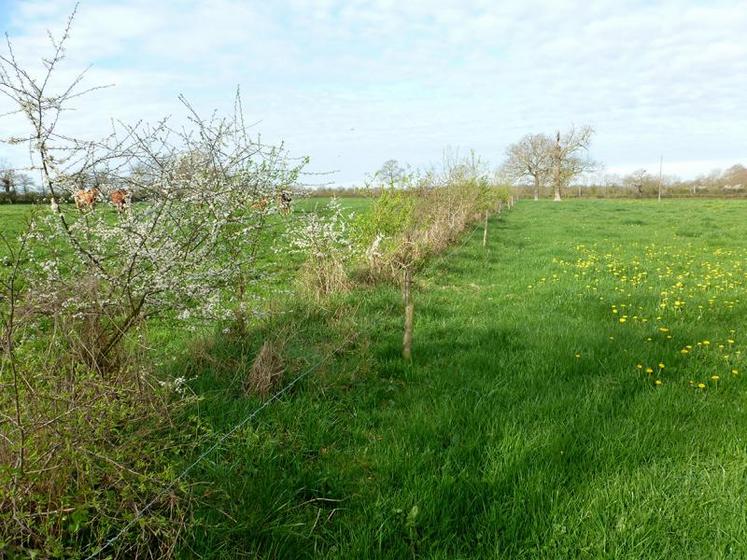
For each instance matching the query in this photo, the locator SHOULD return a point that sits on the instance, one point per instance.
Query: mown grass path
(524, 427)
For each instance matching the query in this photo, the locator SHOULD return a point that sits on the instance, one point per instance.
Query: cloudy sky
(353, 83)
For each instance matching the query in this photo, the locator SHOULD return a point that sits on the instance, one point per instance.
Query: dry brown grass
(319, 278)
(267, 369)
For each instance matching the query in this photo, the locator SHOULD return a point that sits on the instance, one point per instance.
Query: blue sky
(355, 83)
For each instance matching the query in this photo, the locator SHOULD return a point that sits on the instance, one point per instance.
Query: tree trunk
(409, 313)
(556, 167)
(485, 231)
(536, 188)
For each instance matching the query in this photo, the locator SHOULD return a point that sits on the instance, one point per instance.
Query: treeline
(540, 165)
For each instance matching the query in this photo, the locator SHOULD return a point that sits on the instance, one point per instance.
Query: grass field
(527, 425)
(576, 392)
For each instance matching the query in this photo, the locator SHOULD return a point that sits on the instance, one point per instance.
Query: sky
(354, 83)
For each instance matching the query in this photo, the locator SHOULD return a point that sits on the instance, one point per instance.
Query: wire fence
(276, 396)
(212, 448)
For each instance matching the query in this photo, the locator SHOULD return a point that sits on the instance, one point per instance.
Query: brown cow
(120, 199)
(284, 202)
(85, 199)
(261, 204)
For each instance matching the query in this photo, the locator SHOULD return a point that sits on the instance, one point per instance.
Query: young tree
(530, 158)
(569, 156)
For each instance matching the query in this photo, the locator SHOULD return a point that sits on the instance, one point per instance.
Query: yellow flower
(649, 370)
(735, 371)
(639, 366)
(706, 342)
(730, 341)
(658, 382)
(715, 377)
(578, 355)
(684, 351)
(701, 385)
(663, 329)
(661, 365)
(622, 319)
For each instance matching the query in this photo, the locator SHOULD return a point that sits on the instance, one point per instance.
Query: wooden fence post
(409, 313)
(485, 231)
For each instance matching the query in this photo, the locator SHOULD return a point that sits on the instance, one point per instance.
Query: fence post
(409, 313)
(485, 231)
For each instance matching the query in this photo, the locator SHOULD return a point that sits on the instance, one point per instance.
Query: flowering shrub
(324, 237)
(89, 421)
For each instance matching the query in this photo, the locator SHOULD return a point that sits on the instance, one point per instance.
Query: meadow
(576, 391)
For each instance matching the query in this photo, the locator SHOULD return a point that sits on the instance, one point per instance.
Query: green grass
(523, 428)
(12, 220)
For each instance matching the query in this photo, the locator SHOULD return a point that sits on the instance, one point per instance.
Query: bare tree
(530, 158)
(13, 182)
(637, 180)
(570, 157)
(392, 174)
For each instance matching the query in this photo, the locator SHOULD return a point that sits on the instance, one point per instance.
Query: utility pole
(661, 164)
(557, 157)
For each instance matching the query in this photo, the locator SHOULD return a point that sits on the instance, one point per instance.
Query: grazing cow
(284, 202)
(261, 204)
(85, 199)
(120, 199)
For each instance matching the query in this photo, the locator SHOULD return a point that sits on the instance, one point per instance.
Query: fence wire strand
(240, 425)
(212, 448)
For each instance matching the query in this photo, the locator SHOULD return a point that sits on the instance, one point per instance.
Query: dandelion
(622, 319)
(706, 342)
(715, 377)
(735, 371)
(661, 365)
(701, 385)
(659, 382)
(663, 329)
(649, 370)
(639, 366)
(730, 341)
(578, 355)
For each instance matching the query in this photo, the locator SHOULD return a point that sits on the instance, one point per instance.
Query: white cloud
(354, 83)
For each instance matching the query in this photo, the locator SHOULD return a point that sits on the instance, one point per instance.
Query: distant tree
(569, 156)
(12, 182)
(735, 176)
(636, 180)
(530, 158)
(392, 174)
